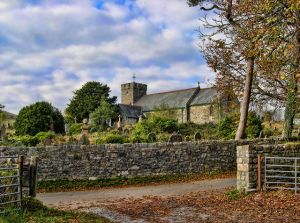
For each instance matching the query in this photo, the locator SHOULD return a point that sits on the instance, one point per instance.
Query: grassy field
(35, 212)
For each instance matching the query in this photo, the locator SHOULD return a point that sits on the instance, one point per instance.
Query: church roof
(131, 111)
(205, 96)
(171, 99)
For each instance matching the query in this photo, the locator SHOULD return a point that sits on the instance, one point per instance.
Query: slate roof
(205, 96)
(172, 99)
(131, 111)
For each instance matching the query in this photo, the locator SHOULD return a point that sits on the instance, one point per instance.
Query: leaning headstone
(152, 137)
(176, 138)
(84, 140)
(187, 138)
(261, 135)
(197, 136)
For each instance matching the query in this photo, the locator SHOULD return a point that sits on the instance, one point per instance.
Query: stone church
(197, 105)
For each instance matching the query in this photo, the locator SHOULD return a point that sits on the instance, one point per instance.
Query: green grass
(235, 194)
(69, 185)
(34, 212)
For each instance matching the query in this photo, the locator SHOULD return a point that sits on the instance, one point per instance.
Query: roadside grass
(79, 184)
(34, 212)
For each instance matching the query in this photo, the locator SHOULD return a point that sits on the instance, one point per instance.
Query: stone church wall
(201, 114)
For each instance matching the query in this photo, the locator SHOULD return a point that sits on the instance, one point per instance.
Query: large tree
(87, 99)
(260, 31)
(39, 117)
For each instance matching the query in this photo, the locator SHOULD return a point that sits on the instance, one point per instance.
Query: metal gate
(11, 168)
(282, 173)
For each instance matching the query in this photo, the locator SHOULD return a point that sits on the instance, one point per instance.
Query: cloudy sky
(51, 47)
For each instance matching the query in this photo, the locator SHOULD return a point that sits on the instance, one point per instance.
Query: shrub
(26, 140)
(75, 129)
(45, 135)
(164, 124)
(254, 126)
(227, 128)
(111, 138)
(37, 118)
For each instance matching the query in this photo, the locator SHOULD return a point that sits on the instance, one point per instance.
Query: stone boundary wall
(111, 160)
(247, 161)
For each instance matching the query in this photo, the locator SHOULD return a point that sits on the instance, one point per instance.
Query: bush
(75, 129)
(111, 138)
(254, 126)
(45, 135)
(227, 128)
(37, 118)
(26, 140)
(164, 124)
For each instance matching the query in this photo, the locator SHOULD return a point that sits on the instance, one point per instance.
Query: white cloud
(51, 48)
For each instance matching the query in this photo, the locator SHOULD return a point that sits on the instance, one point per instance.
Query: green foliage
(87, 99)
(2, 114)
(235, 194)
(290, 108)
(26, 140)
(111, 138)
(45, 135)
(75, 129)
(37, 118)
(101, 116)
(254, 126)
(162, 124)
(35, 212)
(227, 128)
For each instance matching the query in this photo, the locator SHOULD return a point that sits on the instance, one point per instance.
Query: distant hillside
(9, 115)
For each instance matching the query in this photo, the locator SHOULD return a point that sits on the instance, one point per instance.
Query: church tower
(132, 92)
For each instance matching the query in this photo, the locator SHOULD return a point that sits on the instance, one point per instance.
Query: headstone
(85, 127)
(84, 140)
(197, 136)
(152, 137)
(126, 132)
(67, 128)
(187, 138)
(261, 135)
(3, 133)
(119, 124)
(176, 138)
(140, 118)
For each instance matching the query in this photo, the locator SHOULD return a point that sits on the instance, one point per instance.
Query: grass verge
(34, 212)
(77, 185)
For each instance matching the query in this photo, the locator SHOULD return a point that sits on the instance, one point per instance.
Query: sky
(49, 48)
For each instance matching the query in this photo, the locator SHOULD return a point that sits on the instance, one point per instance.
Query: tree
(87, 99)
(264, 33)
(102, 115)
(39, 117)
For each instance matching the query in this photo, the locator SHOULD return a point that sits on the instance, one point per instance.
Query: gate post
(32, 176)
(21, 164)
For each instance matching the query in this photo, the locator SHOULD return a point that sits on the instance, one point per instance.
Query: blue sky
(49, 48)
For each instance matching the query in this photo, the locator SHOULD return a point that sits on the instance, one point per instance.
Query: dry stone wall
(247, 161)
(103, 161)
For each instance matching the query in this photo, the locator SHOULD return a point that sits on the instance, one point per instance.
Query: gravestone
(261, 135)
(126, 132)
(176, 138)
(187, 138)
(67, 128)
(152, 137)
(3, 133)
(197, 136)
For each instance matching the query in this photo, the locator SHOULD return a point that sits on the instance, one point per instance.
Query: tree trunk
(293, 95)
(246, 99)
